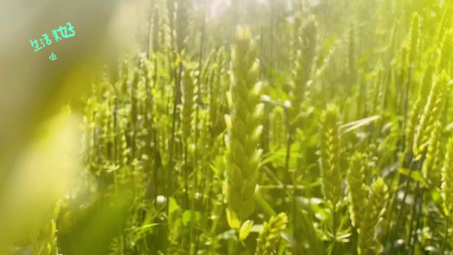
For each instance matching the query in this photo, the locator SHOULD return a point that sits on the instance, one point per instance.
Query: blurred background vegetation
(229, 127)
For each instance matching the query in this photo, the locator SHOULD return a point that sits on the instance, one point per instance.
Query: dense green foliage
(313, 129)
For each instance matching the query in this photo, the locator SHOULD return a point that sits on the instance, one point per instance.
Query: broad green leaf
(190, 217)
(415, 175)
(233, 219)
(245, 230)
(173, 209)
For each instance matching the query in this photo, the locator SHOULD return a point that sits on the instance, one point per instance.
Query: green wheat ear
(430, 169)
(446, 50)
(351, 54)
(187, 101)
(373, 215)
(357, 190)
(415, 35)
(244, 129)
(447, 177)
(183, 13)
(432, 112)
(330, 154)
(306, 51)
(418, 107)
(279, 130)
(270, 235)
(164, 33)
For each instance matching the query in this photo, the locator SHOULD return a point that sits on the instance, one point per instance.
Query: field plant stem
(414, 220)
(406, 189)
(173, 130)
(150, 20)
(186, 179)
(288, 156)
(406, 98)
(271, 39)
(287, 159)
(231, 247)
(391, 207)
(420, 221)
(446, 233)
(334, 228)
(115, 157)
(199, 81)
(403, 202)
(155, 139)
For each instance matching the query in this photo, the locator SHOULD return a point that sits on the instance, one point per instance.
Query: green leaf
(173, 209)
(186, 217)
(233, 219)
(264, 205)
(359, 123)
(190, 217)
(436, 196)
(415, 175)
(245, 230)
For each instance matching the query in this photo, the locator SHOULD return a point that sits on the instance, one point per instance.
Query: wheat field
(265, 127)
